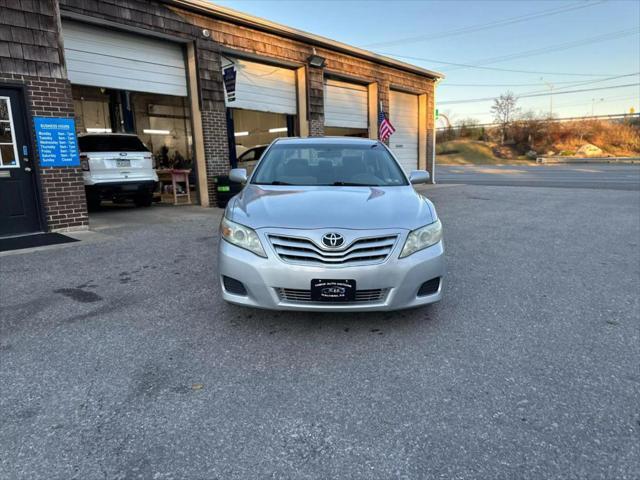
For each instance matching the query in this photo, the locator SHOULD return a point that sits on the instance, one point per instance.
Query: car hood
(307, 207)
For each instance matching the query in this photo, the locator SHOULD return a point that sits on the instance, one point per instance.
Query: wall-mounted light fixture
(316, 60)
(240, 134)
(151, 131)
(278, 130)
(98, 130)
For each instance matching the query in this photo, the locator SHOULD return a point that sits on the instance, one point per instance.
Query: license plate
(123, 163)
(333, 290)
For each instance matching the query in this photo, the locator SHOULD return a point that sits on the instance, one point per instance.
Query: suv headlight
(422, 238)
(241, 236)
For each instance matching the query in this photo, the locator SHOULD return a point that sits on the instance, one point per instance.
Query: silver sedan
(330, 224)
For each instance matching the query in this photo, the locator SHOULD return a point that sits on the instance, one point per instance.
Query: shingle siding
(33, 60)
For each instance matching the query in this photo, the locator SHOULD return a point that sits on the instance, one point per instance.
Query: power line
(474, 100)
(556, 48)
(580, 84)
(485, 26)
(538, 51)
(574, 104)
(431, 60)
(555, 120)
(493, 85)
(537, 84)
(603, 100)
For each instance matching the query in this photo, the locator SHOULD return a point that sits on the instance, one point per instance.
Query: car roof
(326, 140)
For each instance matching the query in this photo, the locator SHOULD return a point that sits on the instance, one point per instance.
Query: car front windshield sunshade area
(328, 164)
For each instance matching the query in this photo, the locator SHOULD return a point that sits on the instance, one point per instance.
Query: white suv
(116, 166)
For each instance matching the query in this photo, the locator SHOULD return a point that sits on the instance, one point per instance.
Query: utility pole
(550, 85)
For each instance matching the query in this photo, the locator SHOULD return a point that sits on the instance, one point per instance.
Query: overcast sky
(596, 39)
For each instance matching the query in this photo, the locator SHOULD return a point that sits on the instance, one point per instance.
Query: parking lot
(118, 360)
(577, 175)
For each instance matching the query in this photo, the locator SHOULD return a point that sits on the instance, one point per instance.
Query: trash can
(225, 189)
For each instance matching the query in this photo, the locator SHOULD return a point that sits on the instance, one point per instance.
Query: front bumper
(264, 279)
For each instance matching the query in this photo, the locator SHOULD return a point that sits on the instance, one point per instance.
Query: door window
(8, 147)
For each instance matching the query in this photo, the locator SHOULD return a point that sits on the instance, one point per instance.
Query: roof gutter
(208, 9)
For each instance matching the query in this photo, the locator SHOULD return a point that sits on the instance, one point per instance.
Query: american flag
(385, 129)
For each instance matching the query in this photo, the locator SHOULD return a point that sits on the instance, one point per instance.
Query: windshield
(111, 143)
(328, 164)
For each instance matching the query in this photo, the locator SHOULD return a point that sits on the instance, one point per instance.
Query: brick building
(158, 68)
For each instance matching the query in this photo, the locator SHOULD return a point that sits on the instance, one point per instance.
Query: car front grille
(360, 252)
(362, 296)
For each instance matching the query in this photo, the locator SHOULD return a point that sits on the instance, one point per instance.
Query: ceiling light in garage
(98, 130)
(241, 134)
(151, 131)
(278, 130)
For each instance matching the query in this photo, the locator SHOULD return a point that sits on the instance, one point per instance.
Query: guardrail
(558, 159)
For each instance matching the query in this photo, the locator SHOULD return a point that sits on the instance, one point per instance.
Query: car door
(19, 211)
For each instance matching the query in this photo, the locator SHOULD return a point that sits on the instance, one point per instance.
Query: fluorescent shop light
(241, 134)
(151, 131)
(278, 130)
(98, 130)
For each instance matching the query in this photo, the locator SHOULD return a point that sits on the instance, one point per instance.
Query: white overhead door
(403, 112)
(264, 88)
(111, 59)
(345, 105)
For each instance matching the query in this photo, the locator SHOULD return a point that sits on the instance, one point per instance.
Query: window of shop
(91, 107)
(163, 124)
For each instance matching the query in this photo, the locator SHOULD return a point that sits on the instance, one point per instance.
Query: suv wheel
(143, 199)
(93, 201)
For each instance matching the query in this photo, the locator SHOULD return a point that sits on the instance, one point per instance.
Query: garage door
(345, 105)
(262, 87)
(111, 59)
(403, 112)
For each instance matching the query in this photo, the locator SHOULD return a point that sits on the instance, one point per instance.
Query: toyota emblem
(332, 240)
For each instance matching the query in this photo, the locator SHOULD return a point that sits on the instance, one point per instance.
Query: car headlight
(241, 236)
(422, 238)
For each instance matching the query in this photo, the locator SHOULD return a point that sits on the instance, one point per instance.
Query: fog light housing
(236, 287)
(429, 287)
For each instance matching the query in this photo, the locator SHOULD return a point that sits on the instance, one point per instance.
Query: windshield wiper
(353, 184)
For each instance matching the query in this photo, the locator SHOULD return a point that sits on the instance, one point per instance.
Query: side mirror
(419, 176)
(238, 175)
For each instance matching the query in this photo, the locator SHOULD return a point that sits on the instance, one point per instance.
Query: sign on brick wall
(229, 77)
(57, 142)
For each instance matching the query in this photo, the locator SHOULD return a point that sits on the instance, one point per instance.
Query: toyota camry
(330, 224)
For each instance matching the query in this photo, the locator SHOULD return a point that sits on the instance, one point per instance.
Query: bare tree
(504, 110)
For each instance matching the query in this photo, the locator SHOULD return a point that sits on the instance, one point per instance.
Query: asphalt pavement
(118, 360)
(600, 176)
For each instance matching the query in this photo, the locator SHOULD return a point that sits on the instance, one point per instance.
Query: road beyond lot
(118, 360)
(607, 176)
